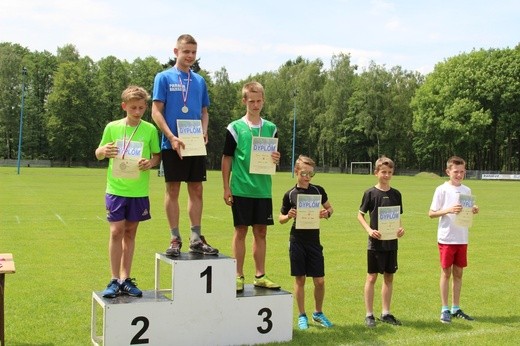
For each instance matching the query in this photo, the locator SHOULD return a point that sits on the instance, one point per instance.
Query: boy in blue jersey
(179, 93)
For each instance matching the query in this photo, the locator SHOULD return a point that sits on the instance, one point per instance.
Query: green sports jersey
(243, 183)
(143, 143)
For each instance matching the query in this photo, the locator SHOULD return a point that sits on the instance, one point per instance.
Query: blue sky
(249, 37)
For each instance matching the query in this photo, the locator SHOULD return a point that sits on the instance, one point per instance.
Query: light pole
(293, 132)
(24, 75)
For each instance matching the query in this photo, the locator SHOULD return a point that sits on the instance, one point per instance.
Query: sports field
(53, 221)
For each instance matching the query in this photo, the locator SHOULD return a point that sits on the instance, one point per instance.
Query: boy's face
(456, 174)
(384, 174)
(304, 175)
(254, 103)
(186, 54)
(134, 109)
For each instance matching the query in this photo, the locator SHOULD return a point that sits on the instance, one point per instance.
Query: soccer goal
(361, 168)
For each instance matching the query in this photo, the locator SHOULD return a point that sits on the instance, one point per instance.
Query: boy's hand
(110, 150)
(475, 209)
(228, 197)
(177, 145)
(455, 209)
(144, 164)
(374, 233)
(275, 155)
(400, 232)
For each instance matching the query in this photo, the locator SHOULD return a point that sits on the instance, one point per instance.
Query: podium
(198, 306)
(6, 267)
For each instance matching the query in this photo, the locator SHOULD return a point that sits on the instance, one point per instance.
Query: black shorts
(189, 169)
(252, 211)
(381, 261)
(306, 259)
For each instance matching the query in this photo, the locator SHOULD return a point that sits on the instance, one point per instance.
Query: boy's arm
(108, 151)
(284, 218)
(158, 118)
(327, 210)
(226, 174)
(204, 119)
(145, 164)
(371, 232)
(451, 210)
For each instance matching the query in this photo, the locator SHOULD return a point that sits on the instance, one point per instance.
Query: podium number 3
(208, 274)
(267, 319)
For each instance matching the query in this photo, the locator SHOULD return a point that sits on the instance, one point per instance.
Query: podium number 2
(136, 340)
(208, 274)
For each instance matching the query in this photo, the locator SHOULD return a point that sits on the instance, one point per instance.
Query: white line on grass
(17, 219)
(59, 218)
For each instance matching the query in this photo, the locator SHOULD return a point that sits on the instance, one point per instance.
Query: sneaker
(130, 287)
(303, 322)
(112, 289)
(175, 248)
(202, 247)
(445, 316)
(265, 282)
(390, 319)
(460, 314)
(240, 283)
(370, 321)
(320, 318)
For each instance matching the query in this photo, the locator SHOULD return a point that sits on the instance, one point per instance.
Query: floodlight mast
(24, 75)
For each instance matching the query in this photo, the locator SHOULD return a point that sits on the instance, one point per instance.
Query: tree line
(469, 106)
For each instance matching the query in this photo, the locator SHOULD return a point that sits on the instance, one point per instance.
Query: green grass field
(53, 221)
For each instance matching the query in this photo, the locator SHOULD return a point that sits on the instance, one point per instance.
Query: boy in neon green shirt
(132, 147)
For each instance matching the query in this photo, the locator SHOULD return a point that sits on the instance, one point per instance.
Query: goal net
(361, 168)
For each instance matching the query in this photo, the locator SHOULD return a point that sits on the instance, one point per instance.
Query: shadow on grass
(343, 334)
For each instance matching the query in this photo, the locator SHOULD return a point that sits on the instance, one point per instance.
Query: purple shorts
(127, 208)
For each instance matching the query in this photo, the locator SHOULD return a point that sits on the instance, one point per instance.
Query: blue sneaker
(320, 318)
(112, 289)
(445, 316)
(130, 287)
(303, 322)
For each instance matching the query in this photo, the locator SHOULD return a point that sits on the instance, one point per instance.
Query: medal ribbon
(251, 129)
(126, 145)
(184, 94)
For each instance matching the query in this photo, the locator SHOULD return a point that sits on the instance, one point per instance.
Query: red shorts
(453, 254)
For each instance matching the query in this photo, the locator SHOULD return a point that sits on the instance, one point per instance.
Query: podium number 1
(208, 274)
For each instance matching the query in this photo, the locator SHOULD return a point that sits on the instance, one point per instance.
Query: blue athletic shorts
(127, 208)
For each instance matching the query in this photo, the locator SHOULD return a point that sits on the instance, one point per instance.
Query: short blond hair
(383, 161)
(304, 160)
(134, 92)
(252, 87)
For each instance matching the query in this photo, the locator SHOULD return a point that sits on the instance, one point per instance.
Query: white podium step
(200, 307)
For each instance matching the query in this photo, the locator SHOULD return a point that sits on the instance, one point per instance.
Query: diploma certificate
(388, 221)
(127, 168)
(190, 132)
(261, 160)
(308, 211)
(465, 217)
